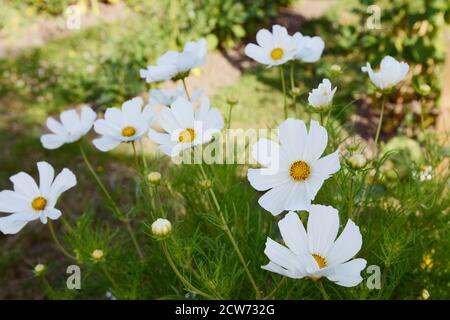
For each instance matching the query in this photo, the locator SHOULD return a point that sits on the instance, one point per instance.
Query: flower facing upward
(176, 65)
(308, 49)
(184, 127)
(29, 201)
(72, 127)
(273, 49)
(390, 74)
(322, 96)
(293, 169)
(316, 252)
(127, 124)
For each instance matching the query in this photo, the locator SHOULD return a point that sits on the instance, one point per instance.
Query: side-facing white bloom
(308, 49)
(273, 49)
(184, 127)
(316, 252)
(293, 170)
(322, 96)
(72, 127)
(174, 64)
(390, 74)
(128, 124)
(29, 201)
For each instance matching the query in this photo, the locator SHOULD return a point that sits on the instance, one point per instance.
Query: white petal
(132, 110)
(262, 180)
(264, 38)
(11, 201)
(183, 112)
(46, 176)
(279, 254)
(323, 226)
(257, 53)
(294, 234)
(106, 143)
(293, 137)
(327, 165)
(316, 142)
(298, 198)
(52, 141)
(55, 127)
(167, 120)
(70, 120)
(346, 246)
(87, 118)
(272, 267)
(159, 138)
(348, 274)
(53, 213)
(25, 185)
(275, 199)
(63, 182)
(114, 116)
(10, 225)
(104, 127)
(267, 153)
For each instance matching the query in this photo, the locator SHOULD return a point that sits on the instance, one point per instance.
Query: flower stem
(58, 244)
(227, 231)
(230, 108)
(113, 204)
(422, 114)
(136, 160)
(380, 121)
(177, 272)
(283, 87)
(279, 285)
(186, 89)
(294, 97)
(322, 290)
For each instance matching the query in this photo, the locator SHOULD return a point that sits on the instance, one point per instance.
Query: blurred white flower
(161, 227)
(184, 127)
(273, 49)
(308, 49)
(390, 74)
(317, 253)
(176, 65)
(72, 127)
(293, 169)
(29, 201)
(128, 124)
(166, 97)
(322, 96)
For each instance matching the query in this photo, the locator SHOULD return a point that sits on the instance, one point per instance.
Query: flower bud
(424, 89)
(39, 269)
(295, 92)
(154, 178)
(97, 255)
(335, 70)
(206, 184)
(161, 227)
(232, 100)
(425, 294)
(358, 161)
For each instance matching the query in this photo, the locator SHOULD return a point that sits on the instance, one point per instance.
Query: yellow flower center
(128, 131)
(277, 54)
(187, 135)
(321, 261)
(300, 170)
(39, 203)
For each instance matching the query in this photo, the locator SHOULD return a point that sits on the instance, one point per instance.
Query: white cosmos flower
(322, 96)
(184, 127)
(128, 124)
(391, 73)
(72, 127)
(316, 252)
(273, 49)
(29, 201)
(308, 49)
(174, 64)
(293, 170)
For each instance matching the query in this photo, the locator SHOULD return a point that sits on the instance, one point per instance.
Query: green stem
(380, 121)
(422, 114)
(283, 86)
(322, 290)
(186, 89)
(177, 272)
(113, 204)
(58, 244)
(294, 97)
(321, 118)
(108, 275)
(280, 284)
(230, 108)
(227, 231)
(350, 205)
(136, 160)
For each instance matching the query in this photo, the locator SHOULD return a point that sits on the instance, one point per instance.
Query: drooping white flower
(322, 96)
(184, 127)
(29, 201)
(72, 127)
(308, 49)
(316, 252)
(274, 48)
(293, 170)
(390, 74)
(174, 64)
(128, 124)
